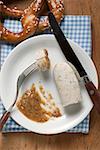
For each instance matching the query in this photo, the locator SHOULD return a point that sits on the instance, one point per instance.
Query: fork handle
(4, 118)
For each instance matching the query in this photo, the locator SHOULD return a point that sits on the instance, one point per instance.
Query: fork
(20, 80)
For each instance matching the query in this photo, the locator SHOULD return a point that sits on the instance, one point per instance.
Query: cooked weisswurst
(67, 84)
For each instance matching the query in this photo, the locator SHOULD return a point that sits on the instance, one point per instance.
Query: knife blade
(71, 57)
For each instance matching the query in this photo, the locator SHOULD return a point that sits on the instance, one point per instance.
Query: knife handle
(3, 119)
(94, 94)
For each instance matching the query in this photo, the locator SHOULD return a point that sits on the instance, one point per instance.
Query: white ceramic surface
(20, 58)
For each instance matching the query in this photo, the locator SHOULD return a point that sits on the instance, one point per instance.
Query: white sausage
(67, 84)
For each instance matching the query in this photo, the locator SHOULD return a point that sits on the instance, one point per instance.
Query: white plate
(21, 57)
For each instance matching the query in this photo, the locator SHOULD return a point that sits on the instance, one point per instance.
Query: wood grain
(31, 141)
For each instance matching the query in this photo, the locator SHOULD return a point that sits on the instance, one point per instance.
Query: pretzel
(14, 12)
(29, 22)
(57, 8)
(29, 19)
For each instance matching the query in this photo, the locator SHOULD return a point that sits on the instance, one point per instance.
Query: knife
(71, 57)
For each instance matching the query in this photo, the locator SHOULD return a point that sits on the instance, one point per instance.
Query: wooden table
(64, 141)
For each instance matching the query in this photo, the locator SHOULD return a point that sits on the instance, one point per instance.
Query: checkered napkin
(77, 28)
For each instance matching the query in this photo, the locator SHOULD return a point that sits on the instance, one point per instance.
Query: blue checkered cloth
(77, 28)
